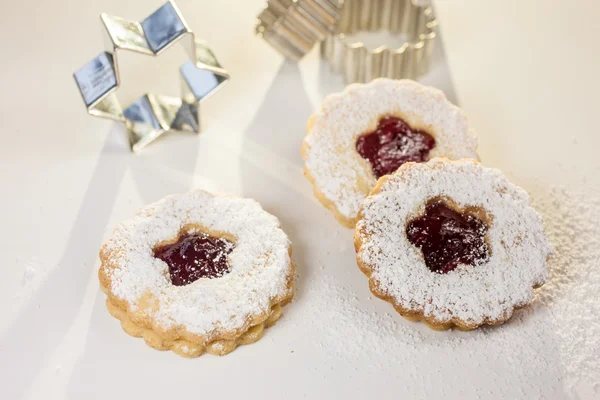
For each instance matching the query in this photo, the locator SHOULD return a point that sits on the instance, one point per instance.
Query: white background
(525, 73)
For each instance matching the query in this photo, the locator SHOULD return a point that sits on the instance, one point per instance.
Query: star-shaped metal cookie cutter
(152, 114)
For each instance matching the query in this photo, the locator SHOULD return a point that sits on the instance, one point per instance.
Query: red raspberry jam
(195, 256)
(448, 238)
(392, 144)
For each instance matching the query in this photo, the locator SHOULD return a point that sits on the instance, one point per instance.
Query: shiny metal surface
(152, 114)
(293, 27)
(357, 63)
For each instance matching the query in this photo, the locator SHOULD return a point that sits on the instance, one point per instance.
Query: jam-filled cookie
(198, 272)
(451, 243)
(369, 130)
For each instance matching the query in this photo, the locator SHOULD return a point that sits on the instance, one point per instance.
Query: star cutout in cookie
(151, 115)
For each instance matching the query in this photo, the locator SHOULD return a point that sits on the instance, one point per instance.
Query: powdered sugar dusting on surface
(339, 172)
(473, 294)
(260, 262)
(554, 340)
(571, 297)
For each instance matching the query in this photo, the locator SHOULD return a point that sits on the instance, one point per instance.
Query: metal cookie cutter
(152, 114)
(293, 27)
(403, 17)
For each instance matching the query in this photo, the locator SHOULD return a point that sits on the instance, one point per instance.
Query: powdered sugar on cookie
(470, 295)
(339, 173)
(261, 268)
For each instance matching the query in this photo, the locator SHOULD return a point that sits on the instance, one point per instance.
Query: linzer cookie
(197, 273)
(451, 243)
(370, 130)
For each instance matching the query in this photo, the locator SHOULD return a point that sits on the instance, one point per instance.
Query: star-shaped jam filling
(448, 238)
(392, 144)
(194, 256)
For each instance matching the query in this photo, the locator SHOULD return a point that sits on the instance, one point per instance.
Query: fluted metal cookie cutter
(293, 27)
(357, 63)
(152, 114)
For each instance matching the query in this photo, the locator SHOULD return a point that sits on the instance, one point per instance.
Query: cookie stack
(444, 239)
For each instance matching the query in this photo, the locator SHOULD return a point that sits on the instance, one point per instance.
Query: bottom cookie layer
(185, 348)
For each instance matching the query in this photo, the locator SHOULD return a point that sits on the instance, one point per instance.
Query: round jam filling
(392, 144)
(448, 238)
(195, 256)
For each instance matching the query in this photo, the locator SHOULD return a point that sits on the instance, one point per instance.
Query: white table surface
(526, 74)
